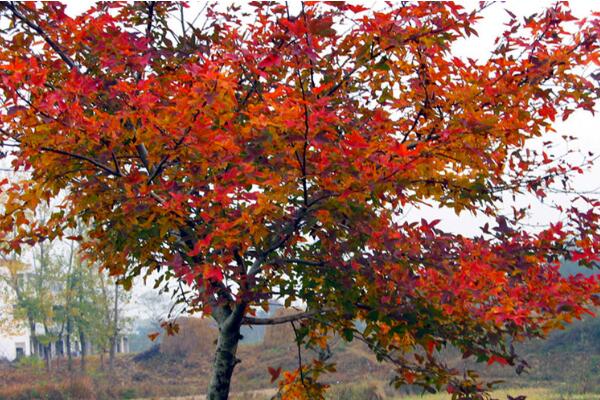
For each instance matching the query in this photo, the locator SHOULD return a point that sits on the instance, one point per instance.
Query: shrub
(128, 393)
(196, 337)
(52, 391)
(81, 388)
(33, 362)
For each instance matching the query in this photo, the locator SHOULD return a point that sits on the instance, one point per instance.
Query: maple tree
(267, 154)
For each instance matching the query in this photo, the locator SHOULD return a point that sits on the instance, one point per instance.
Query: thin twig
(299, 355)
(43, 34)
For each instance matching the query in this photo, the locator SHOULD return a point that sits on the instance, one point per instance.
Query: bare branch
(300, 261)
(161, 164)
(143, 153)
(150, 5)
(43, 34)
(183, 30)
(286, 319)
(300, 368)
(96, 163)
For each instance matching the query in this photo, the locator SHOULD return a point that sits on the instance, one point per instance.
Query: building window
(20, 350)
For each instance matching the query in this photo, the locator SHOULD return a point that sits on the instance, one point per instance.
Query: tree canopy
(266, 153)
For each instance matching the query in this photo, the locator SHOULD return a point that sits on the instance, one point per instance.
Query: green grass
(380, 390)
(531, 393)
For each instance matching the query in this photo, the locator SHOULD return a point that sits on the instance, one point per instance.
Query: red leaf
(296, 27)
(430, 346)
(270, 61)
(586, 255)
(357, 141)
(200, 244)
(152, 336)
(213, 273)
(274, 373)
(547, 111)
(498, 359)
(322, 26)
(356, 9)
(189, 278)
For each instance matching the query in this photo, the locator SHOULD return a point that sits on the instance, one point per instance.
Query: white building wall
(12, 333)
(8, 345)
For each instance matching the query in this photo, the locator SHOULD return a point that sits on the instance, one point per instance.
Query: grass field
(172, 378)
(530, 393)
(358, 393)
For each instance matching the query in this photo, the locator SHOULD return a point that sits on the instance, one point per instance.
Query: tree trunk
(70, 291)
(68, 337)
(47, 355)
(115, 333)
(225, 357)
(33, 343)
(111, 353)
(83, 350)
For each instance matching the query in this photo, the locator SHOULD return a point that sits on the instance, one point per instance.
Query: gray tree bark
(115, 332)
(83, 343)
(33, 342)
(69, 355)
(225, 355)
(47, 356)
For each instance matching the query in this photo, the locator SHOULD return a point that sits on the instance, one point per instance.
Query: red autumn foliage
(248, 160)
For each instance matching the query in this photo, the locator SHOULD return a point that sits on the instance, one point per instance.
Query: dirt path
(263, 394)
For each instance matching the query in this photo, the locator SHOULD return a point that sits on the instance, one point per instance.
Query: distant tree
(87, 310)
(152, 310)
(156, 309)
(60, 296)
(91, 306)
(10, 295)
(95, 307)
(35, 286)
(115, 322)
(17, 311)
(28, 298)
(269, 155)
(44, 285)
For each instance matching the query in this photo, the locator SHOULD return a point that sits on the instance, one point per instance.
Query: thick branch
(43, 34)
(300, 261)
(96, 163)
(143, 153)
(286, 233)
(286, 319)
(162, 163)
(150, 6)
